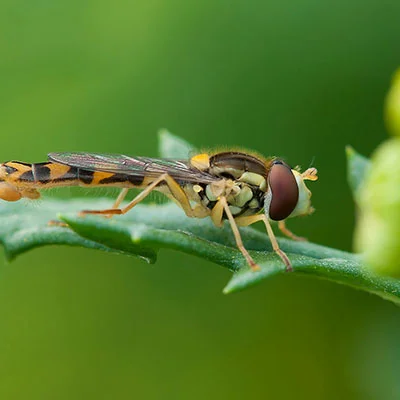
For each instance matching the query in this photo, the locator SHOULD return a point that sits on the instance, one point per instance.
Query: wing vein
(181, 170)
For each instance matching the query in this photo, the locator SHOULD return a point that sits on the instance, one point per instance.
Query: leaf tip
(229, 289)
(172, 146)
(162, 133)
(350, 152)
(226, 290)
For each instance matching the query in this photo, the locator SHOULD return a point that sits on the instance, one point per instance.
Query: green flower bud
(377, 234)
(392, 106)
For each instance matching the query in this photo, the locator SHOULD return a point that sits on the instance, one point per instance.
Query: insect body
(241, 187)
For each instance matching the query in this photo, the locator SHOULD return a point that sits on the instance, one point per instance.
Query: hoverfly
(241, 187)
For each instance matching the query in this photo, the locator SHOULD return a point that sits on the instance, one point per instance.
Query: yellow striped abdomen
(19, 179)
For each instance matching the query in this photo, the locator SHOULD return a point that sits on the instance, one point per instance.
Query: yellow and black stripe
(18, 179)
(52, 174)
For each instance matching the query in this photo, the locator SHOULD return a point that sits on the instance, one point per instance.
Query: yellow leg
(249, 220)
(236, 233)
(118, 201)
(176, 191)
(287, 232)
(275, 245)
(310, 174)
(54, 222)
(120, 198)
(245, 221)
(217, 214)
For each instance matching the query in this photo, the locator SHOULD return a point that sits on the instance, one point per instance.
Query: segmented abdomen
(53, 174)
(19, 179)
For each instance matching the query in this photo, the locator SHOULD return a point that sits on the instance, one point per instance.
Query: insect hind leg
(120, 198)
(175, 189)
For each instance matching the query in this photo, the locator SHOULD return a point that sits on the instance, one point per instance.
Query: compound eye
(285, 192)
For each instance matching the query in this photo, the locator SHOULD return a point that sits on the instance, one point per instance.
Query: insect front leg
(275, 245)
(287, 232)
(245, 221)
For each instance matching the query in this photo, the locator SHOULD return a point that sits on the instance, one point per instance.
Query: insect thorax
(243, 199)
(241, 181)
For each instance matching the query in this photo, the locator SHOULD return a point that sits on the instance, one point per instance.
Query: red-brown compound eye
(285, 192)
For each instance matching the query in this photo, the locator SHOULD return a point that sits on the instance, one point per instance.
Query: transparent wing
(134, 166)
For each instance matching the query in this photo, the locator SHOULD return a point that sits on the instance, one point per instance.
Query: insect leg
(217, 214)
(176, 191)
(248, 220)
(120, 198)
(179, 195)
(141, 196)
(275, 245)
(310, 174)
(55, 222)
(251, 219)
(287, 232)
(236, 233)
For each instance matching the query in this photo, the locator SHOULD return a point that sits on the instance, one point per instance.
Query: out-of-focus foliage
(357, 168)
(392, 107)
(378, 228)
(295, 79)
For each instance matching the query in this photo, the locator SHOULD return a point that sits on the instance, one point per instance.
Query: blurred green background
(290, 78)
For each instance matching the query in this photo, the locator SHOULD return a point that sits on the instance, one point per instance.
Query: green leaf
(171, 146)
(26, 226)
(346, 269)
(154, 227)
(148, 228)
(357, 168)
